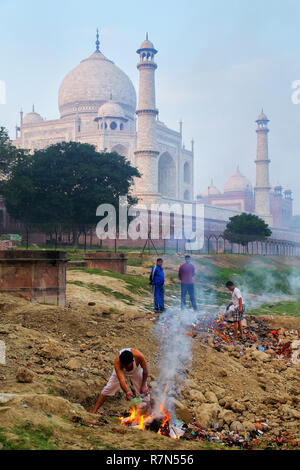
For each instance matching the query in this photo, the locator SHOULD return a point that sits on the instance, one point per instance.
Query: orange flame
(221, 317)
(136, 419)
(139, 420)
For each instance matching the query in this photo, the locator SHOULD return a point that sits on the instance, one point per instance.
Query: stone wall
(35, 275)
(105, 260)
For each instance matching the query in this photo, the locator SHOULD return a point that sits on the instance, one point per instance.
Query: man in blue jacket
(157, 280)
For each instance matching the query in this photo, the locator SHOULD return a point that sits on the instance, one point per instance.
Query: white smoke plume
(261, 286)
(175, 347)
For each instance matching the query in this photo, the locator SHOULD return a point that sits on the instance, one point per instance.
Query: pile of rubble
(260, 341)
(216, 409)
(242, 439)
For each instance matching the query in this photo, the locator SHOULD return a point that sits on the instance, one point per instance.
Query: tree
(9, 154)
(245, 228)
(58, 189)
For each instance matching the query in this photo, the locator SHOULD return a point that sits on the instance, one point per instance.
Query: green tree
(9, 154)
(246, 228)
(58, 189)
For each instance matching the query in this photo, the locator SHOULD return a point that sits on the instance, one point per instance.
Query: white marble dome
(111, 110)
(237, 182)
(90, 84)
(31, 118)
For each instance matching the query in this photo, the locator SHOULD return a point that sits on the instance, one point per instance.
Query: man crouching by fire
(128, 363)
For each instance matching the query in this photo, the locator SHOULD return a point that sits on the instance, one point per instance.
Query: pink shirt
(186, 273)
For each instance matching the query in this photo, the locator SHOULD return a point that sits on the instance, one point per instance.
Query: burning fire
(139, 421)
(160, 423)
(221, 317)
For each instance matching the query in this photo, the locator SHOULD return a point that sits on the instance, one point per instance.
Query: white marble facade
(98, 105)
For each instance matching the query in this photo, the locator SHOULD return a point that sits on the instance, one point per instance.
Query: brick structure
(35, 275)
(107, 260)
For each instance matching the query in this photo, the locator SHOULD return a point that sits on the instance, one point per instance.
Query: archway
(167, 176)
(186, 195)
(187, 173)
(121, 150)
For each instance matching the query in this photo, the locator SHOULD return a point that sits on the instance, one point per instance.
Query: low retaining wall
(107, 260)
(34, 275)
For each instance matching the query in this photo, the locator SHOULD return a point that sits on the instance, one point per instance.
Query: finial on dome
(147, 36)
(33, 108)
(97, 41)
(110, 96)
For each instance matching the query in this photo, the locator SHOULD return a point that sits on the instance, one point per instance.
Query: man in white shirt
(237, 308)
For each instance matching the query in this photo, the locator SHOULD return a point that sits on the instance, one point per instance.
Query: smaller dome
(147, 44)
(111, 110)
(262, 117)
(211, 190)
(288, 191)
(32, 118)
(237, 182)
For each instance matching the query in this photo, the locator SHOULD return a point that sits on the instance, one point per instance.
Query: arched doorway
(186, 195)
(187, 173)
(121, 150)
(167, 176)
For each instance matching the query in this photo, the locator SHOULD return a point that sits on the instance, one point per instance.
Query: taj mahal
(98, 105)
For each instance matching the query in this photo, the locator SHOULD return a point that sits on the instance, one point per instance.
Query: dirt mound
(70, 352)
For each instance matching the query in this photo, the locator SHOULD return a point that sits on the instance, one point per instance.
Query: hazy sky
(219, 63)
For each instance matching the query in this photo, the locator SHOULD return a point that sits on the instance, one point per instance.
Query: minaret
(262, 190)
(146, 153)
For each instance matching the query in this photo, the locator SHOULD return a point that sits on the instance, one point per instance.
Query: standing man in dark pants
(186, 275)
(157, 280)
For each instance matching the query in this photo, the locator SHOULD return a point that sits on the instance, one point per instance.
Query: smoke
(172, 331)
(262, 285)
(259, 285)
(176, 355)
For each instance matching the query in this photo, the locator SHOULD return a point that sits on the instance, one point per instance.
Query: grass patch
(104, 290)
(258, 281)
(47, 379)
(281, 309)
(138, 283)
(27, 437)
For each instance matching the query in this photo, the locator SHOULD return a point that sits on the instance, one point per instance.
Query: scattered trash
(217, 331)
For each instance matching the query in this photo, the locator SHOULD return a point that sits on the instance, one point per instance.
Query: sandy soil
(71, 351)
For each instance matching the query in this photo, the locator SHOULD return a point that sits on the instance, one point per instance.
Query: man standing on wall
(186, 275)
(157, 280)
